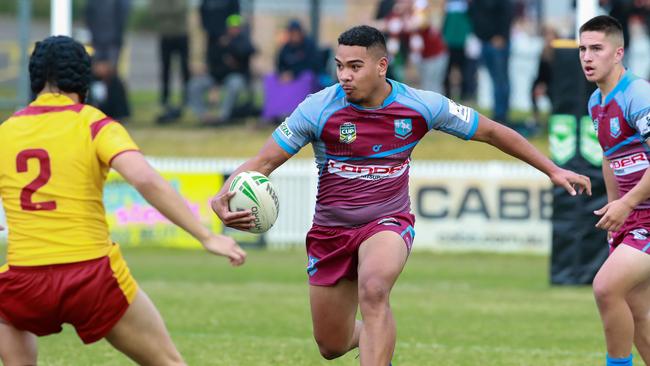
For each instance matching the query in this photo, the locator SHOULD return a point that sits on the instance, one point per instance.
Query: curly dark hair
(62, 62)
(364, 36)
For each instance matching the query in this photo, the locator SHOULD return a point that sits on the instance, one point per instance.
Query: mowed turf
(470, 309)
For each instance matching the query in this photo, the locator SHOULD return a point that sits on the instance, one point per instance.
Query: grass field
(451, 309)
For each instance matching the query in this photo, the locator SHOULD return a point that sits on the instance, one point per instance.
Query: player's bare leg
(639, 301)
(142, 336)
(17, 347)
(333, 312)
(625, 269)
(381, 260)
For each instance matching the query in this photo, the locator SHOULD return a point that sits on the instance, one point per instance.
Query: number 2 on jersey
(43, 177)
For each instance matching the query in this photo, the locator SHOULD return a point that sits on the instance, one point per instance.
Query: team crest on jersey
(347, 133)
(614, 127)
(403, 128)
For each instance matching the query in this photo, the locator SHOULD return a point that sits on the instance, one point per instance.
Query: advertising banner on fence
(134, 222)
(463, 211)
(492, 206)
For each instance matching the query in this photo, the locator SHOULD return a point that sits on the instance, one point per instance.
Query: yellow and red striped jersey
(54, 158)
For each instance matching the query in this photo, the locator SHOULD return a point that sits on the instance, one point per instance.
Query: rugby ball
(254, 191)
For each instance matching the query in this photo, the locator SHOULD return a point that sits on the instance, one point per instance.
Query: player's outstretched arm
(161, 195)
(512, 143)
(269, 158)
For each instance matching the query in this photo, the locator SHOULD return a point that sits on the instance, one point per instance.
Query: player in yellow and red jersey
(62, 266)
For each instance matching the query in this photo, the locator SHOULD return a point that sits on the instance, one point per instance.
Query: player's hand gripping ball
(254, 191)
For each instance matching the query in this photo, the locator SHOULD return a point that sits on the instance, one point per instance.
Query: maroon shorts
(91, 295)
(332, 250)
(635, 232)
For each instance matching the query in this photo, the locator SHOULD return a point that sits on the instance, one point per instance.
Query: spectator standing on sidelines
(427, 48)
(62, 266)
(171, 24)
(456, 30)
(491, 21)
(237, 51)
(397, 26)
(542, 83)
(107, 20)
(213, 19)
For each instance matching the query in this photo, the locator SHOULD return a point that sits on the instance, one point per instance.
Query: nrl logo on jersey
(347, 133)
(403, 128)
(614, 127)
(640, 234)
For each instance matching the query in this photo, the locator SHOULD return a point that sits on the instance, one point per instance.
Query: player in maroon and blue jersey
(620, 109)
(363, 131)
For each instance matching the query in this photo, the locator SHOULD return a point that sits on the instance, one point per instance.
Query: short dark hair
(364, 36)
(61, 62)
(604, 23)
(294, 25)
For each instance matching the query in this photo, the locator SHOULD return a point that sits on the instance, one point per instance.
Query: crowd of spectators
(442, 46)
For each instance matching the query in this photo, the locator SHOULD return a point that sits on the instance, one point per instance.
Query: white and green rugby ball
(254, 191)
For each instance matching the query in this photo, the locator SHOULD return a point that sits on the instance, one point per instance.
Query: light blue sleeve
(451, 117)
(456, 119)
(639, 107)
(297, 130)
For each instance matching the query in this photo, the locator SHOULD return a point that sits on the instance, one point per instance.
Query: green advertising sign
(562, 137)
(589, 147)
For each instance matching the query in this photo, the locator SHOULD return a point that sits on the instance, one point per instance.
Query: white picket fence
(296, 182)
(469, 194)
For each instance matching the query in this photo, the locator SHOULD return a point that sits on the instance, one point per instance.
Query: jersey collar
(51, 99)
(389, 99)
(48, 103)
(620, 86)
